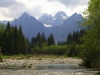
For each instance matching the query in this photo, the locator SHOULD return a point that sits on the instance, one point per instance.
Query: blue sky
(10, 9)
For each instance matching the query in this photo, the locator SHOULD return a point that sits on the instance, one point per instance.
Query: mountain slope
(69, 25)
(30, 25)
(73, 23)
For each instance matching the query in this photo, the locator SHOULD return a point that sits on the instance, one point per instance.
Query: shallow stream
(48, 69)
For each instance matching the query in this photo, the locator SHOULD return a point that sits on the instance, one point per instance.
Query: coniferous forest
(13, 42)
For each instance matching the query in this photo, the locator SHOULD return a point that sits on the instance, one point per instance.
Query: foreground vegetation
(91, 40)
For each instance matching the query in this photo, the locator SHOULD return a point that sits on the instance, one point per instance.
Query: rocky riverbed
(43, 66)
(33, 61)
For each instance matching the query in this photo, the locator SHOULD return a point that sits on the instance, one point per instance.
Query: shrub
(71, 52)
(53, 49)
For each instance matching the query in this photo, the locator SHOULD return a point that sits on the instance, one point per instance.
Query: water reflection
(57, 66)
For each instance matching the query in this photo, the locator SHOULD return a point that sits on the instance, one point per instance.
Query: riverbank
(44, 59)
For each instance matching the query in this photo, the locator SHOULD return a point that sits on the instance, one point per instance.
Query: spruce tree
(69, 39)
(51, 40)
(1, 37)
(22, 42)
(13, 41)
(1, 33)
(7, 46)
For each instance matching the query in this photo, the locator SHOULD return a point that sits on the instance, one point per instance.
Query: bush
(55, 50)
(36, 50)
(71, 52)
(74, 50)
(91, 58)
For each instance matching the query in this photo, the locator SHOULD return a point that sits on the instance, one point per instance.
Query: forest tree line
(13, 42)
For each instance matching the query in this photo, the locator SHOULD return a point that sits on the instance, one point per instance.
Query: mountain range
(56, 20)
(59, 25)
(30, 25)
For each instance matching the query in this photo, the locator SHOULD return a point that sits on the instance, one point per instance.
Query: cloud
(72, 3)
(10, 9)
(7, 3)
(72, 6)
(36, 11)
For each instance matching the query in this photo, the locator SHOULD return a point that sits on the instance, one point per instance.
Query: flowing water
(48, 69)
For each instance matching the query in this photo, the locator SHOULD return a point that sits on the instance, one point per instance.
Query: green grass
(12, 57)
(34, 56)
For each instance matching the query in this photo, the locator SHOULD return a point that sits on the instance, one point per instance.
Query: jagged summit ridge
(55, 20)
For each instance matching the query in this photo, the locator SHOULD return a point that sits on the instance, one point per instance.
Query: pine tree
(22, 42)
(69, 39)
(7, 46)
(1, 37)
(14, 41)
(28, 50)
(43, 39)
(51, 40)
(1, 33)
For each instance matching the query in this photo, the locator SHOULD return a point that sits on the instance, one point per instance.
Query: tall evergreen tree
(14, 41)
(28, 50)
(33, 42)
(75, 37)
(1, 33)
(51, 40)
(6, 40)
(43, 39)
(1, 37)
(69, 38)
(22, 42)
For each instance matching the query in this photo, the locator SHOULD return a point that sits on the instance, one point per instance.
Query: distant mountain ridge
(4, 22)
(53, 20)
(73, 23)
(69, 25)
(31, 26)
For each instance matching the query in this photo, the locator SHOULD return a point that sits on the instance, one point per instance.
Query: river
(44, 67)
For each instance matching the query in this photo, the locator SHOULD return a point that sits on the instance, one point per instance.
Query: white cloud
(73, 3)
(10, 9)
(73, 6)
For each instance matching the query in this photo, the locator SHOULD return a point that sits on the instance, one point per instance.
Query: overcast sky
(10, 9)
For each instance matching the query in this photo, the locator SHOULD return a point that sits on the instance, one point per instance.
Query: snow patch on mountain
(47, 26)
(55, 20)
